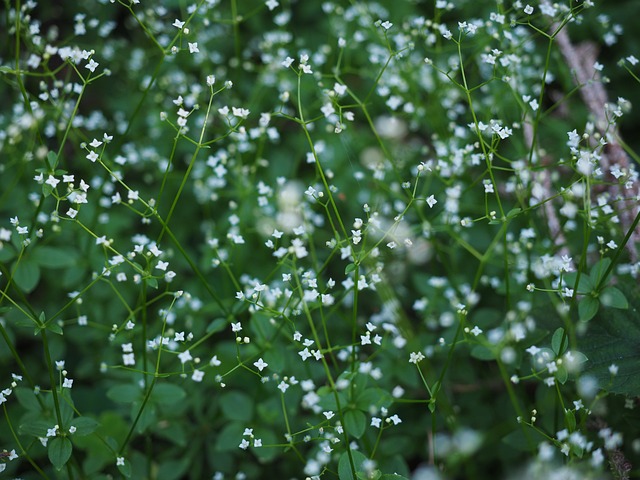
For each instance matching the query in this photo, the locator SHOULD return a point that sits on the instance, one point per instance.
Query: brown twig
(544, 177)
(581, 59)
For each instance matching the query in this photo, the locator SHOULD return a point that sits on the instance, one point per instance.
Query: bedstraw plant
(339, 239)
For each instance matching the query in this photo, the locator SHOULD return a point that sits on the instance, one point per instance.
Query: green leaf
(328, 399)
(124, 393)
(570, 420)
(578, 358)
(36, 428)
(7, 252)
(147, 417)
(55, 257)
(125, 469)
(613, 339)
(562, 375)
(372, 475)
(27, 399)
(349, 268)
(523, 439)
(483, 353)
(392, 476)
(152, 282)
(358, 381)
(84, 425)
(612, 297)
(174, 432)
(373, 397)
(276, 359)
(26, 275)
(355, 422)
(587, 308)
(24, 322)
(559, 341)
(598, 270)
(585, 285)
(52, 157)
(55, 328)
(268, 438)
(513, 212)
(173, 469)
(344, 466)
(229, 437)
(217, 325)
(237, 406)
(59, 450)
(43, 325)
(168, 394)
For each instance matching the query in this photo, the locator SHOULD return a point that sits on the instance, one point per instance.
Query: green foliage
(595, 291)
(613, 340)
(340, 240)
(59, 450)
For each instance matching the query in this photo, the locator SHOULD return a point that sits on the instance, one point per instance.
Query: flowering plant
(399, 244)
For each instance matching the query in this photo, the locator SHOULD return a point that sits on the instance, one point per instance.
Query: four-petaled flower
(185, 356)
(260, 364)
(415, 357)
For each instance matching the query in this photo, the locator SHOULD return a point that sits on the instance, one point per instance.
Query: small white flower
(416, 357)
(282, 386)
(260, 364)
(476, 331)
(185, 356)
(92, 65)
(395, 419)
(53, 181)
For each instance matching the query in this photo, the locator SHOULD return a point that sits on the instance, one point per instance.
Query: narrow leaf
(559, 341)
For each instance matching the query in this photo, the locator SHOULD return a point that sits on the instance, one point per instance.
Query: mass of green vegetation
(341, 239)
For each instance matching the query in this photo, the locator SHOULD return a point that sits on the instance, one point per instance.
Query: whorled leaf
(613, 338)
